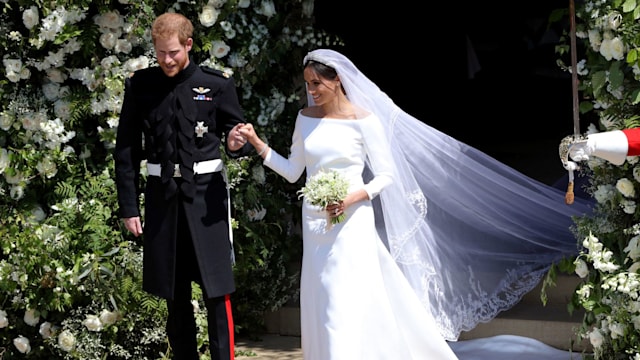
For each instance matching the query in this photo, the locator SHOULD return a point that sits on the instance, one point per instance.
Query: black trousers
(181, 324)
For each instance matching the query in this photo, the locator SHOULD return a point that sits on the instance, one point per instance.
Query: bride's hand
(335, 210)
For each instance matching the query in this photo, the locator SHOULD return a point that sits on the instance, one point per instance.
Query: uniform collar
(186, 72)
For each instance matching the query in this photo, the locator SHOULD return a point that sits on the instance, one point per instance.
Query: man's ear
(189, 44)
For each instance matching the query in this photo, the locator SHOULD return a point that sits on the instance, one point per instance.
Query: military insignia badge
(201, 129)
(201, 94)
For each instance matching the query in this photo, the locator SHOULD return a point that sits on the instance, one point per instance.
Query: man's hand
(134, 225)
(581, 150)
(235, 139)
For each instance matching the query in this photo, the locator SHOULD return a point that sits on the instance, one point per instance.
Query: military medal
(200, 94)
(201, 129)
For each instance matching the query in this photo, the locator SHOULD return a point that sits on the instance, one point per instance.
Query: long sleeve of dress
(379, 157)
(290, 168)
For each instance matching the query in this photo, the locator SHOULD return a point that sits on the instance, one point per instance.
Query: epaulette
(209, 70)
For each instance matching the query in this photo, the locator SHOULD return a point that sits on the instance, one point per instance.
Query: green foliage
(66, 259)
(609, 260)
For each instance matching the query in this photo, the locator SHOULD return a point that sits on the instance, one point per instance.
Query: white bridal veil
(470, 233)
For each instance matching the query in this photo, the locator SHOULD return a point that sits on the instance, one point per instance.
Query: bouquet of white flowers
(326, 188)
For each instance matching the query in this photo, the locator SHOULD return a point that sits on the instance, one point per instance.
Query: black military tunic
(177, 121)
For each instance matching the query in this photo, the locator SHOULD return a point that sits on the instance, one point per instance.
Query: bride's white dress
(355, 302)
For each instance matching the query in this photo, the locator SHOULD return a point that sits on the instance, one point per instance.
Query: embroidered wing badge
(201, 94)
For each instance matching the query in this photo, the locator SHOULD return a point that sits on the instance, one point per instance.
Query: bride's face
(322, 90)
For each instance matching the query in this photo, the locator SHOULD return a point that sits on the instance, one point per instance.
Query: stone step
(551, 324)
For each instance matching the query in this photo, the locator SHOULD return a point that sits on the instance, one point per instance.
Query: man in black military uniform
(175, 116)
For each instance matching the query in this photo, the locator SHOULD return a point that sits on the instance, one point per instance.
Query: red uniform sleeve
(633, 137)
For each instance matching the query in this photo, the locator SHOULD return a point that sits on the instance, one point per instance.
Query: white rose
(12, 65)
(581, 268)
(46, 330)
(109, 317)
(108, 40)
(22, 344)
(605, 49)
(51, 91)
(31, 317)
(208, 16)
(30, 17)
(625, 186)
(56, 75)
(595, 39)
(62, 109)
(123, 46)
(617, 48)
(596, 338)
(25, 73)
(6, 121)
(141, 62)
(243, 4)
(66, 340)
(92, 323)
(267, 8)
(4, 321)
(110, 20)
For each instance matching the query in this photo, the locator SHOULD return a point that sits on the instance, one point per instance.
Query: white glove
(611, 146)
(571, 166)
(582, 149)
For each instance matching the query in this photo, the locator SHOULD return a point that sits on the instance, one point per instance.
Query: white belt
(201, 167)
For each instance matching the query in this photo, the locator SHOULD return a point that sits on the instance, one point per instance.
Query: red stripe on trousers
(227, 305)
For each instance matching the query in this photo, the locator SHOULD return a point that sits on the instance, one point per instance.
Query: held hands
(249, 133)
(235, 139)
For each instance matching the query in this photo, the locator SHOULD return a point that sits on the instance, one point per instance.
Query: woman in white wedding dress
(354, 301)
(466, 236)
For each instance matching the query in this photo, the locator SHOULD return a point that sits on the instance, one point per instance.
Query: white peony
(219, 49)
(22, 344)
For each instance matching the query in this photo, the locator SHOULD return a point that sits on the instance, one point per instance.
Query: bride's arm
(290, 168)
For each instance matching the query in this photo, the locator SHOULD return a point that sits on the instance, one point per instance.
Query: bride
(438, 236)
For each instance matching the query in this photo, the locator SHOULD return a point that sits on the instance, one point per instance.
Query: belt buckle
(176, 170)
